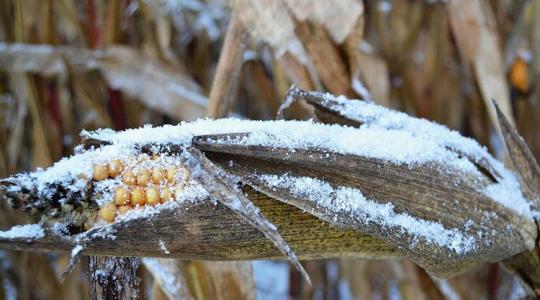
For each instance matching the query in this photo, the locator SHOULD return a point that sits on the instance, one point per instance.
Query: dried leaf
(225, 85)
(525, 265)
(169, 275)
(522, 158)
(273, 21)
(384, 183)
(222, 187)
(158, 86)
(474, 30)
(222, 280)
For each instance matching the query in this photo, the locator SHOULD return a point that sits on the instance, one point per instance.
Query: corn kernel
(115, 167)
(152, 196)
(129, 178)
(100, 172)
(166, 194)
(158, 174)
(108, 212)
(121, 196)
(124, 209)
(143, 177)
(171, 174)
(138, 196)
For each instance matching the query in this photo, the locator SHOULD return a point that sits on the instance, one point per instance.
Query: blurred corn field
(67, 66)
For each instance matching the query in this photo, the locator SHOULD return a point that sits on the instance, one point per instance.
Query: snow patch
(28, 231)
(506, 191)
(76, 250)
(163, 247)
(350, 201)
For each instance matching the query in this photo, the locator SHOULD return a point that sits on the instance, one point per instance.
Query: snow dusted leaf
(426, 191)
(340, 110)
(522, 158)
(489, 180)
(436, 213)
(525, 265)
(222, 187)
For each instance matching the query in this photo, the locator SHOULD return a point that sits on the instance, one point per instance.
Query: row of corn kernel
(137, 192)
(126, 199)
(143, 177)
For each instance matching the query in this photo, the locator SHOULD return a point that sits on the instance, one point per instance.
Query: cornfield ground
(68, 66)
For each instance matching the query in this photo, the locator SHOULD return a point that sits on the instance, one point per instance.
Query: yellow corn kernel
(100, 172)
(143, 177)
(115, 167)
(108, 212)
(124, 209)
(129, 178)
(138, 196)
(121, 196)
(166, 194)
(152, 196)
(158, 174)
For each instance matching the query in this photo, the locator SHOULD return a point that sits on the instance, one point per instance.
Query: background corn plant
(72, 65)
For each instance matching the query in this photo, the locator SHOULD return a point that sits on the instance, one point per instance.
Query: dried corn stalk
(394, 185)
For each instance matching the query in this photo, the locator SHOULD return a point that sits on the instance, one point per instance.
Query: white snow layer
(28, 231)
(349, 201)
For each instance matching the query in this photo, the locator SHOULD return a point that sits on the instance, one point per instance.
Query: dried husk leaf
(208, 231)
(522, 158)
(222, 187)
(526, 265)
(420, 191)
